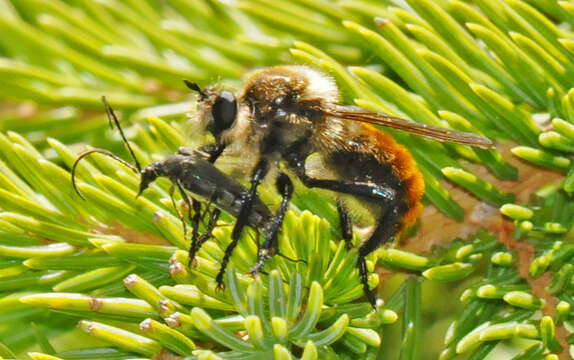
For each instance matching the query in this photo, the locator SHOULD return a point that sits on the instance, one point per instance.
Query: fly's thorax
(279, 107)
(290, 94)
(276, 81)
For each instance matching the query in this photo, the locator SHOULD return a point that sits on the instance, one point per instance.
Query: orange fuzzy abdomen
(387, 150)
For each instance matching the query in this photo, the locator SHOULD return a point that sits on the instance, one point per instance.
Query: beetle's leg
(205, 236)
(346, 224)
(270, 246)
(191, 204)
(257, 177)
(195, 205)
(289, 259)
(210, 214)
(179, 214)
(210, 152)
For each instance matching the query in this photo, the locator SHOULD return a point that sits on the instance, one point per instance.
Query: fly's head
(217, 109)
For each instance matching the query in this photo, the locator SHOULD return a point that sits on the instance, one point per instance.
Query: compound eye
(224, 111)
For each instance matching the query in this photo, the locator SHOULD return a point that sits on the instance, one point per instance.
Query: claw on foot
(255, 270)
(219, 280)
(193, 262)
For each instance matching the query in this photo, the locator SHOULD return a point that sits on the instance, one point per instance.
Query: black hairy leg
(392, 209)
(248, 199)
(209, 152)
(346, 224)
(386, 228)
(370, 190)
(270, 245)
(364, 189)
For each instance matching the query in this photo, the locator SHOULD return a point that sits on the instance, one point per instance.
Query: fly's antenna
(193, 86)
(113, 119)
(101, 151)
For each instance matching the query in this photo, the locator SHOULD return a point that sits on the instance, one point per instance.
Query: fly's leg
(270, 246)
(209, 152)
(386, 228)
(346, 224)
(257, 177)
(364, 189)
(388, 223)
(379, 192)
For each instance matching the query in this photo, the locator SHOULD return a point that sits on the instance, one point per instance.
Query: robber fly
(193, 171)
(284, 114)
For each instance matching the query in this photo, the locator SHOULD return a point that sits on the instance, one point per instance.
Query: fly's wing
(441, 134)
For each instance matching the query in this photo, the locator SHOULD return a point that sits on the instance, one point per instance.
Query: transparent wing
(441, 134)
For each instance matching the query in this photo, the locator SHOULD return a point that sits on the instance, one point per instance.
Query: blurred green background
(499, 68)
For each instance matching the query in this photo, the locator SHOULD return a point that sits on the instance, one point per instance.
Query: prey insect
(193, 171)
(286, 114)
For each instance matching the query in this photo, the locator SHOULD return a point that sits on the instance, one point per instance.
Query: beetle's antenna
(113, 119)
(101, 151)
(291, 259)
